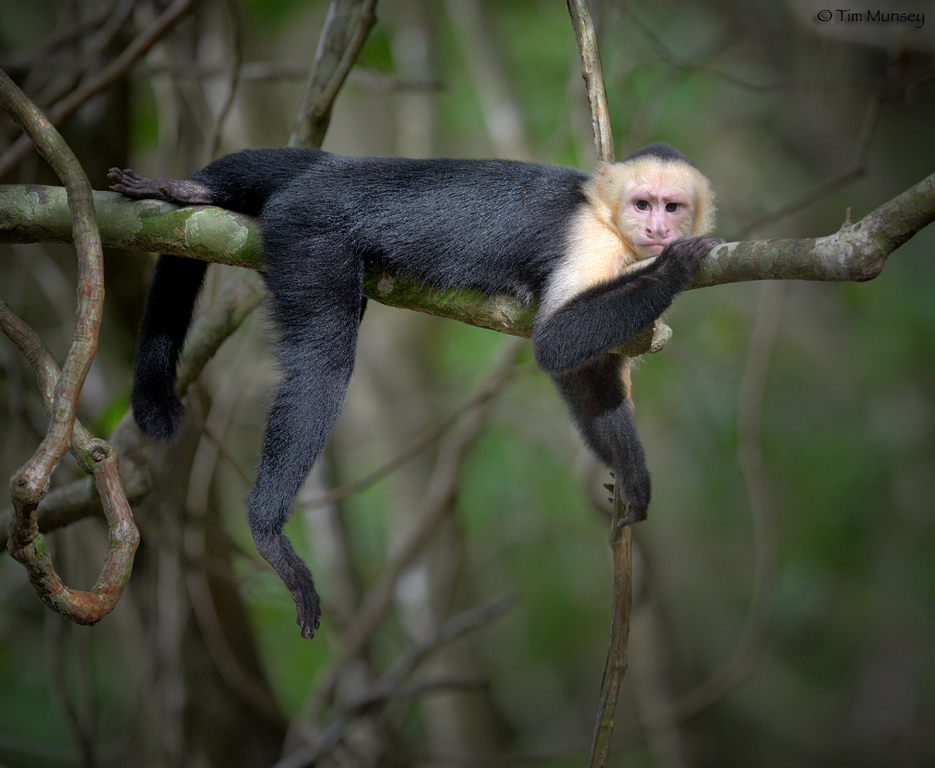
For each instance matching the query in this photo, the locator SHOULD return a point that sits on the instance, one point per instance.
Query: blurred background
(784, 599)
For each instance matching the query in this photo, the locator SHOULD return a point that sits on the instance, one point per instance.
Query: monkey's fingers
(712, 242)
(689, 252)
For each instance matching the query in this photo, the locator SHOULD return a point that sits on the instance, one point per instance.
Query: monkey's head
(653, 197)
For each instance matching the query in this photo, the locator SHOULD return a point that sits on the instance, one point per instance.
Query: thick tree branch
(855, 252)
(30, 214)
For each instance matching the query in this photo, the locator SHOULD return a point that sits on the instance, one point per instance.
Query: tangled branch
(60, 390)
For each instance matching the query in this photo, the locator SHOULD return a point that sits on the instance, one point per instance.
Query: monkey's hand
(686, 254)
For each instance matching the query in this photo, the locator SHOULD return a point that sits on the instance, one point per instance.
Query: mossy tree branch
(856, 252)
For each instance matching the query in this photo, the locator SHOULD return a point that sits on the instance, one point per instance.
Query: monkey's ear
(603, 171)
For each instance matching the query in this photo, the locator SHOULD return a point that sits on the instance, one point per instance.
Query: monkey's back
(491, 225)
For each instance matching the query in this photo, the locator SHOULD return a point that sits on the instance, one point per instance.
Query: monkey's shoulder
(594, 253)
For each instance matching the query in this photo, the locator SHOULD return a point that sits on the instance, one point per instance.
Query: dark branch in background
(857, 169)
(70, 104)
(389, 686)
(765, 513)
(485, 394)
(436, 504)
(274, 70)
(214, 141)
(60, 390)
(91, 49)
(39, 55)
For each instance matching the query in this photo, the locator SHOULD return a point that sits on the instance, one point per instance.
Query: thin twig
(92, 49)
(856, 170)
(389, 686)
(66, 33)
(615, 666)
(764, 510)
(488, 391)
(235, 69)
(274, 70)
(55, 652)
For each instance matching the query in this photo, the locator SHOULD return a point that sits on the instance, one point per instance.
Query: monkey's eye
(672, 207)
(642, 205)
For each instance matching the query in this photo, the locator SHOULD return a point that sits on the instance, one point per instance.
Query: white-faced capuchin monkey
(603, 256)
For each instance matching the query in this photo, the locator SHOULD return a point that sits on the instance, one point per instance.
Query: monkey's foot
(308, 609)
(278, 552)
(631, 516)
(634, 493)
(129, 183)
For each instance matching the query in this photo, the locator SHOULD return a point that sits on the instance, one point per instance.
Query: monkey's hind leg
(180, 191)
(316, 308)
(599, 405)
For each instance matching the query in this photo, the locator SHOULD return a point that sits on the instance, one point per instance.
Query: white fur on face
(609, 235)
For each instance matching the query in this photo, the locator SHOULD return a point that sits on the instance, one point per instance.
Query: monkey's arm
(603, 317)
(598, 402)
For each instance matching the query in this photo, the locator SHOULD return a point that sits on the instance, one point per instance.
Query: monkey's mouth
(653, 247)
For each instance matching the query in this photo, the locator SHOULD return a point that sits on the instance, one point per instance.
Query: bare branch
(593, 78)
(487, 391)
(857, 169)
(765, 513)
(615, 665)
(389, 687)
(346, 28)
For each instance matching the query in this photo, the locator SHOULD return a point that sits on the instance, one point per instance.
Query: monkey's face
(655, 211)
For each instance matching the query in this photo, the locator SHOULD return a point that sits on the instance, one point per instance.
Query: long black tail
(169, 307)
(241, 182)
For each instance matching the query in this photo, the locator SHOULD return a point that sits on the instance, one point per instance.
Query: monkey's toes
(131, 184)
(308, 611)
